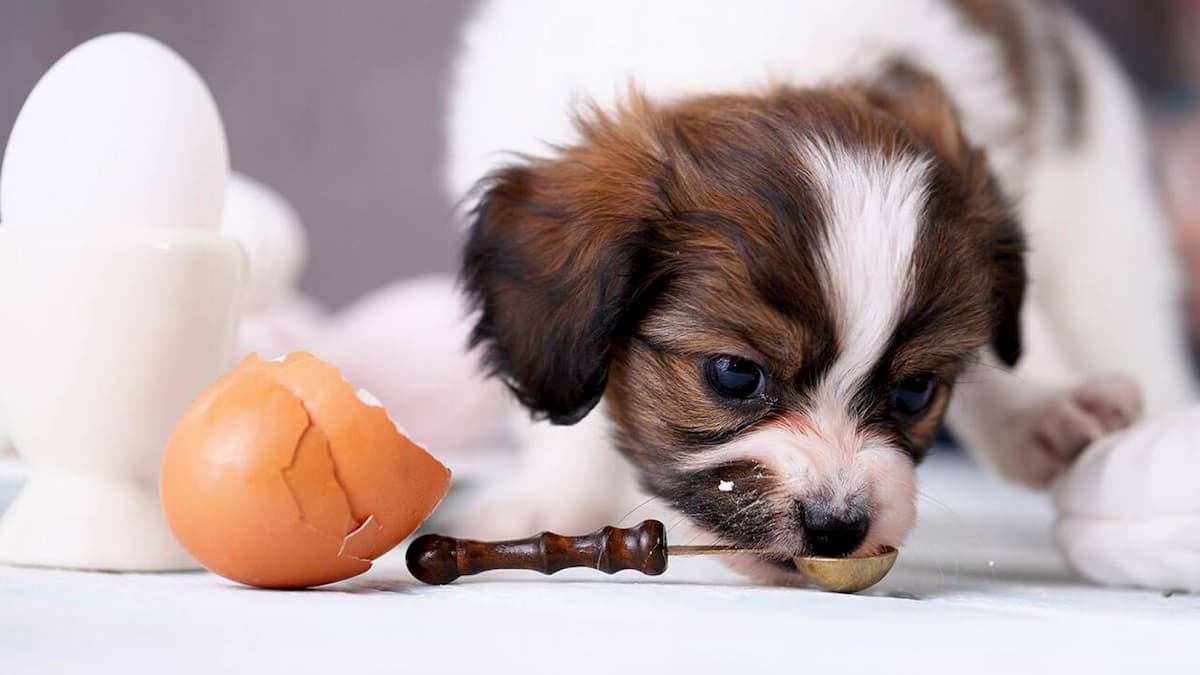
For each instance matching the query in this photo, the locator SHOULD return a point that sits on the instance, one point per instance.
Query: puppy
(805, 234)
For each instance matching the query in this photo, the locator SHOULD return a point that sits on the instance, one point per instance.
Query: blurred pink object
(406, 343)
(296, 322)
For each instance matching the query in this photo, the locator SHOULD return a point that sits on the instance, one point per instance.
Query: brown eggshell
(280, 476)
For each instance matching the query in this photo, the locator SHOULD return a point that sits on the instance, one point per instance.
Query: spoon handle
(436, 559)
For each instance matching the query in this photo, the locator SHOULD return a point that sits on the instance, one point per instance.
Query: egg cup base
(89, 523)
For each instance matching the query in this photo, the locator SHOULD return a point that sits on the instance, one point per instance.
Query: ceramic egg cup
(108, 336)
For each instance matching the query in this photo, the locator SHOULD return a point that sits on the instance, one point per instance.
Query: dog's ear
(1008, 293)
(555, 261)
(919, 102)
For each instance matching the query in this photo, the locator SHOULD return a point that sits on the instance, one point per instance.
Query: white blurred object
(277, 318)
(1129, 509)
(119, 133)
(270, 231)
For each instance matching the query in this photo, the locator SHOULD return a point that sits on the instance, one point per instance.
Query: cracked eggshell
(279, 476)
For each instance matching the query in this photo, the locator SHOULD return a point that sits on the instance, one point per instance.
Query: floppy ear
(918, 101)
(1008, 295)
(555, 262)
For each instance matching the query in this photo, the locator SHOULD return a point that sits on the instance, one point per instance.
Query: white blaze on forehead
(872, 208)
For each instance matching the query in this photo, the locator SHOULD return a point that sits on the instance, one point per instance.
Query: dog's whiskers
(635, 509)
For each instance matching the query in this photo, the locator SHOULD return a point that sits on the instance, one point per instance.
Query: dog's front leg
(1030, 422)
(568, 479)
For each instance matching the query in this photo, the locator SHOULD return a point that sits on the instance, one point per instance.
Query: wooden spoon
(436, 559)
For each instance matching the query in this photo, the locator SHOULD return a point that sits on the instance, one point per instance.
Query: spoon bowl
(846, 575)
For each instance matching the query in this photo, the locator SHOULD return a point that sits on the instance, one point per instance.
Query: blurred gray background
(338, 105)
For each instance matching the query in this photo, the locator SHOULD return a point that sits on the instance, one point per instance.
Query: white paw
(1070, 422)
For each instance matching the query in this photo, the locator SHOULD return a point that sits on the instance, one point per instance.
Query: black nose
(834, 535)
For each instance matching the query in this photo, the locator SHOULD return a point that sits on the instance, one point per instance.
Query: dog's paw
(1069, 423)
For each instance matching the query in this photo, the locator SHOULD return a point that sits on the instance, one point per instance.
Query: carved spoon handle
(435, 559)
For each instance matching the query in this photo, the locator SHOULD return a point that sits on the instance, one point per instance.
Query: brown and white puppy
(775, 289)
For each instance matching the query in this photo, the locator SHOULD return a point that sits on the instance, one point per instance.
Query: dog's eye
(735, 377)
(912, 396)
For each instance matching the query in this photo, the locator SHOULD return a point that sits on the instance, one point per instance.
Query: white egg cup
(108, 336)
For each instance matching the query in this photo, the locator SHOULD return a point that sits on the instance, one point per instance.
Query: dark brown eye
(913, 396)
(735, 377)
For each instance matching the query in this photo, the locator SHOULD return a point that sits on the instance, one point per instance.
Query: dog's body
(818, 210)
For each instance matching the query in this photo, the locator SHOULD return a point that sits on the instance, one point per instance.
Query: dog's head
(774, 292)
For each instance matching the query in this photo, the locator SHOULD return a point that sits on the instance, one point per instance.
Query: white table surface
(978, 589)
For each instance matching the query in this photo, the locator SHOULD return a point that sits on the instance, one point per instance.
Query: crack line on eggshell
(337, 478)
(357, 525)
(283, 472)
(329, 447)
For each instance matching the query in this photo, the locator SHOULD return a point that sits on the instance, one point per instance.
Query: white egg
(272, 235)
(120, 132)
